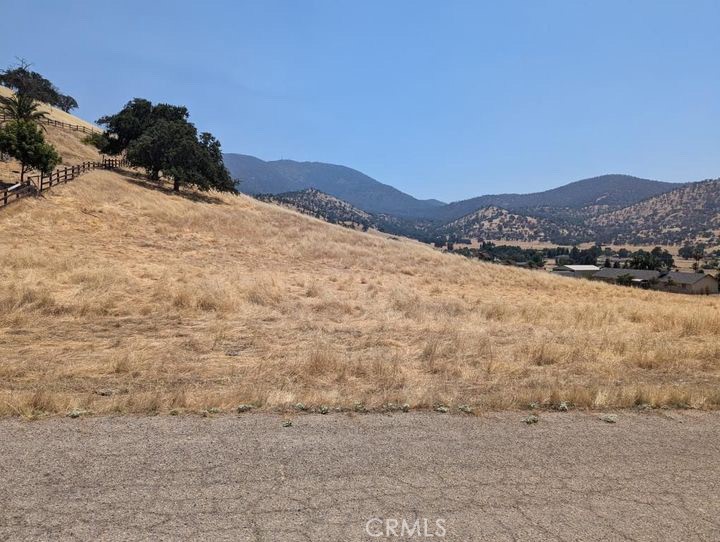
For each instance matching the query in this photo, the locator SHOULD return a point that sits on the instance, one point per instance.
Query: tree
(24, 141)
(657, 259)
(125, 126)
(160, 139)
(665, 258)
(692, 252)
(173, 148)
(67, 103)
(134, 119)
(23, 80)
(212, 164)
(575, 255)
(686, 251)
(21, 107)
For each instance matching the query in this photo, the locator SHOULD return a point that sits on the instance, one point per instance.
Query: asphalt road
(650, 476)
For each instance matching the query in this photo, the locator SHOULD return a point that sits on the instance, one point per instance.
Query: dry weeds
(118, 298)
(68, 143)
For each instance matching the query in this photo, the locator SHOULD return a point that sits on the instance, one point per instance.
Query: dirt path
(571, 476)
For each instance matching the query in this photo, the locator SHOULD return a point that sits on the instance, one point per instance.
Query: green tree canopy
(21, 107)
(657, 259)
(160, 139)
(24, 141)
(692, 252)
(134, 119)
(24, 81)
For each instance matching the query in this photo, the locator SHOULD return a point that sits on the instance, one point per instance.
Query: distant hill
(500, 224)
(336, 211)
(608, 208)
(324, 206)
(260, 177)
(608, 191)
(689, 213)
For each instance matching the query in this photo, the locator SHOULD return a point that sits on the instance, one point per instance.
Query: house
(689, 283)
(634, 277)
(578, 271)
(674, 281)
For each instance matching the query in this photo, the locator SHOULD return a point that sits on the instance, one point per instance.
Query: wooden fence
(52, 122)
(35, 184)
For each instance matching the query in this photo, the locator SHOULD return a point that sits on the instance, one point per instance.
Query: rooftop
(581, 267)
(685, 278)
(612, 273)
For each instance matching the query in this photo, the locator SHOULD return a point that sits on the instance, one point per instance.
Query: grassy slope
(108, 286)
(68, 143)
(175, 303)
(55, 113)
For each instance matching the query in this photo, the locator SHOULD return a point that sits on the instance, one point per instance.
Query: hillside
(690, 213)
(320, 205)
(595, 209)
(607, 190)
(117, 296)
(501, 224)
(55, 113)
(260, 177)
(68, 143)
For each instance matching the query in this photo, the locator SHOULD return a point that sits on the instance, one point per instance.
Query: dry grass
(68, 143)
(54, 113)
(118, 298)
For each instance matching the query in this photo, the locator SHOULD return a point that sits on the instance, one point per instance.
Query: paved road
(652, 476)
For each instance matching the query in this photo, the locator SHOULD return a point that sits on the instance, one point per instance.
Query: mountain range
(606, 191)
(609, 208)
(257, 176)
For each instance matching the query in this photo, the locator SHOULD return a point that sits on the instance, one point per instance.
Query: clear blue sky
(440, 99)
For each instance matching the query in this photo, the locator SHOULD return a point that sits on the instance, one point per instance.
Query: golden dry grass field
(68, 143)
(118, 297)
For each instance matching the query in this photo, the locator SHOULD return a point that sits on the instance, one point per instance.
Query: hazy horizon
(445, 101)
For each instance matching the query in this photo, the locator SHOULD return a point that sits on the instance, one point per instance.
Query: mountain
(336, 211)
(689, 213)
(260, 177)
(497, 223)
(320, 205)
(257, 176)
(607, 191)
(608, 208)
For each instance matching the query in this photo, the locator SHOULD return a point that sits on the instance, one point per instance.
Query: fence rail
(36, 184)
(4, 117)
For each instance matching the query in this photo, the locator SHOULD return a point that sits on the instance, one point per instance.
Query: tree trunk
(22, 172)
(154, 175)
(176, 185)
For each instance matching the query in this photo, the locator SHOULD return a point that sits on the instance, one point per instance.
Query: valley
(353, 271)
(199, 302)
(611, 209)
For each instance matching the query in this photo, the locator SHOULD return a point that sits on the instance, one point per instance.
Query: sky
(443, 99)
